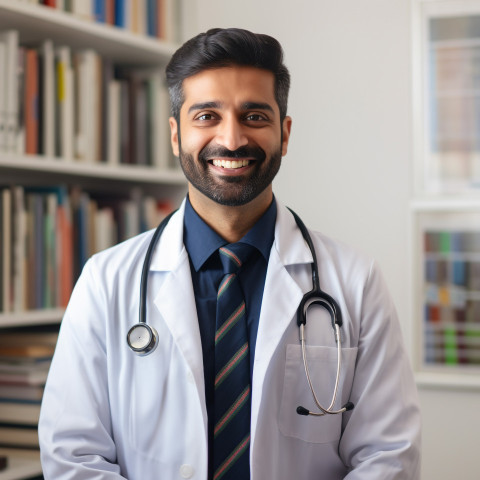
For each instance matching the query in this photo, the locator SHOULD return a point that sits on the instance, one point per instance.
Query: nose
(231, 134)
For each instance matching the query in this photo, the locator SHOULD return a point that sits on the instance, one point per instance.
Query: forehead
(230, 86)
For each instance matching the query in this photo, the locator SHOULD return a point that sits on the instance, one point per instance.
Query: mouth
(231, 164)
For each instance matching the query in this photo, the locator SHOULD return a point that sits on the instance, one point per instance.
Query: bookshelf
(134, 55)
(22, 464)
(445, 208)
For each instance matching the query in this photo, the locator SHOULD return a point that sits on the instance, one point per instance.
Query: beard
(231, 190)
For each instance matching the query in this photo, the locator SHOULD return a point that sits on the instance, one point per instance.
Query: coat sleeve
(381, 436)
(75, 430)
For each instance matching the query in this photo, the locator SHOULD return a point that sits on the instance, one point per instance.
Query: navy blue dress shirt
(202, 244)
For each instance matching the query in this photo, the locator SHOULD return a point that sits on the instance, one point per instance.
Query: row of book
(78, 106)
(448, 241)
(25, 358)
(155, 18)
(48, 233)
(454, 115)
(459, 273)
(448, 345)
(450, 310)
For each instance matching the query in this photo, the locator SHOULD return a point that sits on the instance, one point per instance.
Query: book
(113, 132)
(140, 119)
(38, 234)
(50, 299)
(121, 13)
(29, 337)
(1, 252)
(6, 249)
(47, 94)
(82, 9)
(124, 122)
(3, 91)
(18, 436)
(99, 11)
(64, 259)
(31, 99)
(152, 18)
(65, 103)
(110, 12)
(22, 375)
(19, 413)
(107, 75)
(86, 65)
(19, 270)
(10, 39)
(21, 135)
(9, 352)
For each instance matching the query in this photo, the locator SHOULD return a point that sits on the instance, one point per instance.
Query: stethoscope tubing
(314, 296)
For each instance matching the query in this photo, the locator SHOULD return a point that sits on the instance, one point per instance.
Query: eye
(205, 117)
(255, 117)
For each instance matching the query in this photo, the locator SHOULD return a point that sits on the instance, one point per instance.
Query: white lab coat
(109, 414)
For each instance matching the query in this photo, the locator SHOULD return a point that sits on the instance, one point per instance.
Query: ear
(174, 136)
(286, 128)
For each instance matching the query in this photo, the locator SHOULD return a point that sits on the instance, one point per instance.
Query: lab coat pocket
(322, 364)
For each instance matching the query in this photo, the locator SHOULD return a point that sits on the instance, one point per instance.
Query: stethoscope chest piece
(142, 339)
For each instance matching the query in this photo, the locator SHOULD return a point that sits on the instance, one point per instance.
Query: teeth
(231, 163)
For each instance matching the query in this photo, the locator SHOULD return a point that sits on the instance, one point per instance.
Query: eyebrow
(245, 106)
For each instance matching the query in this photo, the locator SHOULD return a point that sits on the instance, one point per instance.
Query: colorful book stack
(47, 234)
(155, 18)
(452, 297)
(24, 362)
(454, 109)
(78, 106)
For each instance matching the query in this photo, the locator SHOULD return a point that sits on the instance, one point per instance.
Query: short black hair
(224, 47)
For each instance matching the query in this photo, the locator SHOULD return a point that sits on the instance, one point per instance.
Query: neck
(231, 223)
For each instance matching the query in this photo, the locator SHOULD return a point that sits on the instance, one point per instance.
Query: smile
(230, 163)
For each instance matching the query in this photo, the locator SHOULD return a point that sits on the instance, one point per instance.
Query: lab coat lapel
(281, 297)
(175, 298)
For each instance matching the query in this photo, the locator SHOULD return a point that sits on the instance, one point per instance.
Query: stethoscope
(142, 338)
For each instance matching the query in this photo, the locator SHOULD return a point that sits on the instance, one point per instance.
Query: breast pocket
(322, 364)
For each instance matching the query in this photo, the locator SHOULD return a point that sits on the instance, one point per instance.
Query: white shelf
(454, 380)
(443, 203)
(130, 173)
(120, 45)
(21, 464)
(31, 318)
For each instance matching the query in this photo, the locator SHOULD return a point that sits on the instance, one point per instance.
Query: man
(218, 397)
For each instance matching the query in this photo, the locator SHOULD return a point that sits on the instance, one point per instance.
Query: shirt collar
(201, 241)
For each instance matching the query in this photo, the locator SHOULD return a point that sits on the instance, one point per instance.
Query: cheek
(193, 141)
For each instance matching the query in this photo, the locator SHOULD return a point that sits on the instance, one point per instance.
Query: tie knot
(234, 255)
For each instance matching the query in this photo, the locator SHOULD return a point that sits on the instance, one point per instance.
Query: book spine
(48, 98)
(10, 39)
(3, 106)
(7, 249)
(31, 102)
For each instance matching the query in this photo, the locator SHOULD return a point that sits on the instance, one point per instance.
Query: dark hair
(222, 48)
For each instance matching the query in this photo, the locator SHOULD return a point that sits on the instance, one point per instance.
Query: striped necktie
(232, 372)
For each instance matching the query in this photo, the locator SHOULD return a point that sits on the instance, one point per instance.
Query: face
(231, 140)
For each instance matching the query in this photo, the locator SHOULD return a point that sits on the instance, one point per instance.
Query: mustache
(214, 151)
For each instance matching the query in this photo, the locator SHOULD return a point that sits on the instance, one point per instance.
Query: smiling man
(230, 138)
(230, 392)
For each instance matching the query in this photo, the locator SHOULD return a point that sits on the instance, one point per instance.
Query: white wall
(348, 170)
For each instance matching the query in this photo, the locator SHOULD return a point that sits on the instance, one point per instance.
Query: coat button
(190, 378)
(186, 471)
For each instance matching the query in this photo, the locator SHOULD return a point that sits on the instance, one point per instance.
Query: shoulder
(340, 253)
